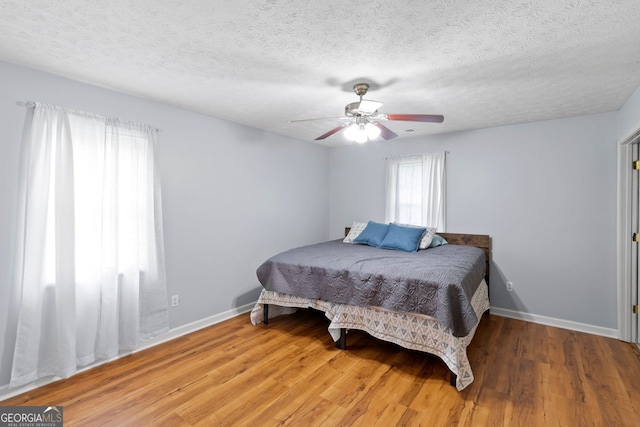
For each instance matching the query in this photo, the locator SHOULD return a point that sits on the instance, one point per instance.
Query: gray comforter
(438, 282)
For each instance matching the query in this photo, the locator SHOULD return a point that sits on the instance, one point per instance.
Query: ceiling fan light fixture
(372, 131)
(362, 131)
(352, 131)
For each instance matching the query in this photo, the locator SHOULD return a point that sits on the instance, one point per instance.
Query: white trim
(626, 328)
(6, 393)
(558, 323)
(623, 248)
(631, 134)
(197, 325)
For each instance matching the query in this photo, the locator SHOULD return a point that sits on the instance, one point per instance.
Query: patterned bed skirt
(412, 331)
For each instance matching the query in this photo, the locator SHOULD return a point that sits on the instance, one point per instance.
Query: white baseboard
(6, 393)
(195, 326)
(558, 323)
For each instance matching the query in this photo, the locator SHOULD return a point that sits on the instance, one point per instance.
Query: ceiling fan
(363, 116)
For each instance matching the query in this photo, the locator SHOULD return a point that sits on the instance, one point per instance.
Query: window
(416, 190)
(90, 257)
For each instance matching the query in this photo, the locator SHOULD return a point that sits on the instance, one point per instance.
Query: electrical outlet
(175, 300)
(509, 286)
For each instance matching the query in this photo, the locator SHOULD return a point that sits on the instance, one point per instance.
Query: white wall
(545, 192)
(629, 116)
(232, 195)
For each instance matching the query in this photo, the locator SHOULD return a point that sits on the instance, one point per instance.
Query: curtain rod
(31, 104)
(414, 155)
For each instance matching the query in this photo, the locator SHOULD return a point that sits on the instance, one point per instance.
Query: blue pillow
(403, 238)
(437, 241)
(373, 234)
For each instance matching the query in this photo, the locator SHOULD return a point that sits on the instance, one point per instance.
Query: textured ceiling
(264, 62)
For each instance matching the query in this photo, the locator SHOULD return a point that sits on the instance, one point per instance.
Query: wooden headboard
(482, 241)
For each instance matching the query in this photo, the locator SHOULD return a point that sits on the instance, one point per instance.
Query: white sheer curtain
(90, 258)
(416, 190)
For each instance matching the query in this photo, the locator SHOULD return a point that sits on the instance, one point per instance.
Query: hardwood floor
(290, 373)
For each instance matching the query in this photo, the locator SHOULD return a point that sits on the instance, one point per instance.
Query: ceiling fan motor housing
(360, 89)
(351, 110)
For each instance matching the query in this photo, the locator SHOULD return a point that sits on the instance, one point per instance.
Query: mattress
(437, 282)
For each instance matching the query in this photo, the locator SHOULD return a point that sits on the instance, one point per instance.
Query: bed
(358, 287)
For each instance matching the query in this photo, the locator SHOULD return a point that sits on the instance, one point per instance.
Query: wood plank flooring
(290, 373)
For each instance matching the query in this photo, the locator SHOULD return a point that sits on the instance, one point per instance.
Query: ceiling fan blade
(331, 132)
(368, 106)
(385, 132)
(320, 118)
(434, 118)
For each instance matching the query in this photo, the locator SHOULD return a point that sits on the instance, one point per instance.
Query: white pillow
(355, 231)
(427, 237)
